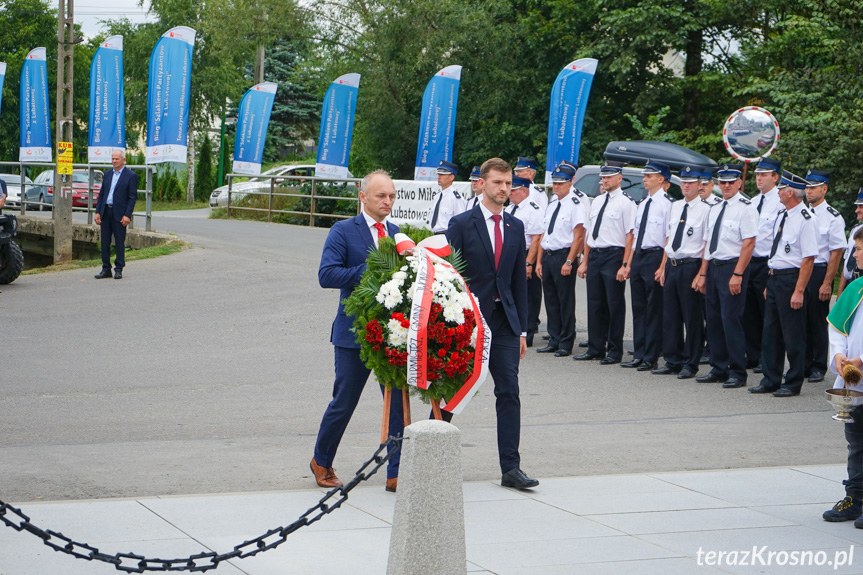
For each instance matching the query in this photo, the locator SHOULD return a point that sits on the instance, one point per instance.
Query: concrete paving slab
(690, 520)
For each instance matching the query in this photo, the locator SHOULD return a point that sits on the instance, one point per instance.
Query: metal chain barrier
(132, 563)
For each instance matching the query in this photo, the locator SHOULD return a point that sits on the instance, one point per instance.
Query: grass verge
(131, 256)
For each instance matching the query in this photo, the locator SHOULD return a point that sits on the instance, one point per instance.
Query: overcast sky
(89, 12)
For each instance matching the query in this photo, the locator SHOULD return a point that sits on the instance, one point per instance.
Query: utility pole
(62, 212)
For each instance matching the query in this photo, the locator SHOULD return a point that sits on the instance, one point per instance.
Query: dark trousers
(725, 322)
(351, 377)
(854, 437)
(503, 367)
(784, 330)
(606, 303)
(112, 228)
(647, 303)
(816, 323)
(534, 303)
(683, 325)
(753, 312)
(559, 301)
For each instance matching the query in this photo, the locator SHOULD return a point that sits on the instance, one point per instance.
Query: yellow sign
(64, 158)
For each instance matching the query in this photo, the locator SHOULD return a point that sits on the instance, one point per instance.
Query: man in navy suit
(492, 245)
(343, 262)
(114, 209)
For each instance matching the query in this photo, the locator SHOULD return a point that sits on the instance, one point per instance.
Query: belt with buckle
(649, 250)
(556, 252)
(610, 249)
(683, 261)
(824, 265)
(724, 262)
(784, 271)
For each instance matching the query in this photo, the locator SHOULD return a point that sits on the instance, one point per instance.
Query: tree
(205, 182)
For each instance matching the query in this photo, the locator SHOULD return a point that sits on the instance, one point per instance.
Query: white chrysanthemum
(473, 335)
(398, 334)
(400, 276)
(453, 312)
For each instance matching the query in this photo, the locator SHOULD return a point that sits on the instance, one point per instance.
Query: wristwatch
(528, 264)
(568, 262)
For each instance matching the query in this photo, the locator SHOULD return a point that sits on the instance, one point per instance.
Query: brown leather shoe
(325, 476)
(392, 484)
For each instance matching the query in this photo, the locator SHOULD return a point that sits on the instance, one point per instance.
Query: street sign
(64, 158)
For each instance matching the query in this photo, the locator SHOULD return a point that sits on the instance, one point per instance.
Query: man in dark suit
(343, 262)
(492, 245)
(114, 209)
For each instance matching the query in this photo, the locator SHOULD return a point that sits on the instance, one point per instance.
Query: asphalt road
(208, 371)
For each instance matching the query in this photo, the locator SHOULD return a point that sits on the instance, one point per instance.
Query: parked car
(43, 189)
(219, 197)
(13, 188)
(640, 152)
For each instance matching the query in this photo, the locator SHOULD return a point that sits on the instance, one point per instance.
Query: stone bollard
(428, 525)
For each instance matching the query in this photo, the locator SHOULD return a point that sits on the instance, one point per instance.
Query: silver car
(13, 188)
(219, 197)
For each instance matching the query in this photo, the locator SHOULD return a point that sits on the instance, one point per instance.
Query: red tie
(381, 232)
(498, 239)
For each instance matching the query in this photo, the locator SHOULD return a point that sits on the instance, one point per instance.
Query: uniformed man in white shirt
(645, 267)
(850, 271)
(448, 202)
(526, 210)
(582, 197)
(475, 187)
(795, 245)
(683, 307)
(606, 253)
(730, 238)
(526, 168)
(706, 191)
(562, 242)
(767, 174)
(819, 290)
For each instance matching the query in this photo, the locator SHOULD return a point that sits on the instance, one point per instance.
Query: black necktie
(642, 226)
(761, 203)
(436, 210)
(851, 261)
(514, 208)
(678, 235)
(475, 201)
(778, 235)
(714, 238)
(599, 216)
(553, 219)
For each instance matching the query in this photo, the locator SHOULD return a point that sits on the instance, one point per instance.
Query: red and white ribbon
(428, 252)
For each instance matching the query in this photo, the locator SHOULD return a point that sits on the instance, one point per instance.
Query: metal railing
(24, 203)
(308, 188)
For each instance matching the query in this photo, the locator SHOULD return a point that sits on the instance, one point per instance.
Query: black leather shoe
(547, 349)
(103, 274)
(118, 275)
(583, 343)
(711, 378)
(647, 366)
(757, 369)
(665, 370)
(516, 478)
(587, 356)
(785, 392)
(562, 353)
(762, 389)
(733, 382)
(816, 376)
(686, 374)
(631, 363)
(608, 360)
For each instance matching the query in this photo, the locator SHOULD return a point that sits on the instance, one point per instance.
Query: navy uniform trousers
(559, 300)
(351, 377)
(854, 437)
(817, 339)
(753, 312)
(606, 303)
(534, 303)
(683, 325)
(503, 363)
(725, 320)
(783, 332)
(647, 303)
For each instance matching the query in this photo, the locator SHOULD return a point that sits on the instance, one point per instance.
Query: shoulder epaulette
(575, 200)
(807, 215)
(832, 212)
(455, 193)
(627, 196)
(578, 192)
(745, 201)
(536, 207)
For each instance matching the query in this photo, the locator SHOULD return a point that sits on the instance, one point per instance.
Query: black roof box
(639, 152)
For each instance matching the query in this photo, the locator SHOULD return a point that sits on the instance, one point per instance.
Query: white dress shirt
(451, 204)
(799, 238)
(740, 222)
(831, 231)
(692, 241)
(530, 215)
(370, 222)
(618, 219)
(766, 218)
(570, 215)
(656, 226)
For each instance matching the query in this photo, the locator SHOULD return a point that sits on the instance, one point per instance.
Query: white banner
(414, 200)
